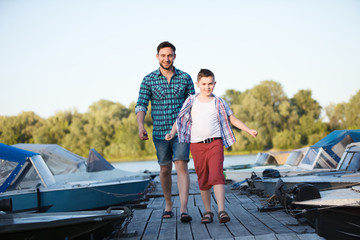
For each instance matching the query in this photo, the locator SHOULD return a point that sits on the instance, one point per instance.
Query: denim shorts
(170, 151)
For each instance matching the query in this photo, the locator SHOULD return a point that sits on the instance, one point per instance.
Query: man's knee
(165, 170)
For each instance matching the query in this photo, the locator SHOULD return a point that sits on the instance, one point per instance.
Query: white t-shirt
(205, 123)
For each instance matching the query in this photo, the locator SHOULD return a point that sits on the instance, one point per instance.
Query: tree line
(111, 128)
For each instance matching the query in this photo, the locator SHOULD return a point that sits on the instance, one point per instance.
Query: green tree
(352, 112)
(20, 128)
(305, 104)
(336, 116)
(103, 118)
(55, 128)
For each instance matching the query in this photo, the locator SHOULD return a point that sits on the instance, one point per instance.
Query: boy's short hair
(205, 73)
(164, 45)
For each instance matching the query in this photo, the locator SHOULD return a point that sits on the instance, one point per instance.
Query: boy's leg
(183, 183)
(166, 182)
(219, 191)
(206, 197)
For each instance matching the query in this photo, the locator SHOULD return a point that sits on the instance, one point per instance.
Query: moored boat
(27, 181)
(62, 225)
(336, 215)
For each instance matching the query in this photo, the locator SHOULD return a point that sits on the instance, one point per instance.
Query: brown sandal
(223, 217)
(207, 217)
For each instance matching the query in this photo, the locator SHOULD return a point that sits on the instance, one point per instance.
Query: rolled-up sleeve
(144, 97)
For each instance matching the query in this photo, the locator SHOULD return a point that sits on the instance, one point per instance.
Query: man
(167, 88)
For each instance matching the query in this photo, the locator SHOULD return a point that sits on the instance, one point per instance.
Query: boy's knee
(181, 166)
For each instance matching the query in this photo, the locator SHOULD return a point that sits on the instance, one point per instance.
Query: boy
(204, 121)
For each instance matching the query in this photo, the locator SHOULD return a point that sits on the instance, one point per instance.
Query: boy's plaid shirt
(166, 98)
(184, 121)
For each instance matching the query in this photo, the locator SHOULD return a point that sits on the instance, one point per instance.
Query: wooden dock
(247, 222)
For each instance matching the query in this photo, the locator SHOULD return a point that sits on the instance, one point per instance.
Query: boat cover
(96, 162)
(58, 159)
(335, 143)
(11, 161)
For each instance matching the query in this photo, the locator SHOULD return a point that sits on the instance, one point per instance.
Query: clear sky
(67, 54)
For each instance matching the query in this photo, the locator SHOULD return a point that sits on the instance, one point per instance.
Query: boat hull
(77, 198)
(70, 225)
(335, 223)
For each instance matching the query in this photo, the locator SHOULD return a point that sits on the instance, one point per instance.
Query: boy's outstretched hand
(253, 132)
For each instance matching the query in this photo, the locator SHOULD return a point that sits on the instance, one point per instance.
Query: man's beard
(166, 68)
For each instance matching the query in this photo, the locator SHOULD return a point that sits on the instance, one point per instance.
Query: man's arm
(141, 109)
(140, 117)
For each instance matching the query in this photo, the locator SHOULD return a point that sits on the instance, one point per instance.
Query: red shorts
(208, 162)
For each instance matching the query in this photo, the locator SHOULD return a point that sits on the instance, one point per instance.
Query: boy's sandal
(223, 217)
(185, 217)
(207, 217)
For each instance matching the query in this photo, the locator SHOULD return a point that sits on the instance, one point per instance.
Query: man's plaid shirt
(166, 99)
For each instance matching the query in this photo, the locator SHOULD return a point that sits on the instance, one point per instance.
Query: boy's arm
(170, 135)
(240, 125)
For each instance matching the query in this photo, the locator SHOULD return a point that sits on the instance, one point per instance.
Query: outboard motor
(282, 194)
(6, 205)
(271, 173)
(305, 191)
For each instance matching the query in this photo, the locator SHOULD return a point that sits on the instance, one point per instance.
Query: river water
(152, 166)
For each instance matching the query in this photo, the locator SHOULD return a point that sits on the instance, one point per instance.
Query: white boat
(292, 161)
(322, 156)
(345, 175)
(268, 159)
(28, 183)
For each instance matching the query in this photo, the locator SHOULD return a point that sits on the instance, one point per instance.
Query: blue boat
(27, 184)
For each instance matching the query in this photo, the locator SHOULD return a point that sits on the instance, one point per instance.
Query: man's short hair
(205, 73)
(164, 45)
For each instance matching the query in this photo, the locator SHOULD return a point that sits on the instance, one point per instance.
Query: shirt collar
(176, 72)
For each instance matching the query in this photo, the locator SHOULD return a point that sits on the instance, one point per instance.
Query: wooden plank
(194, 186)
(176, 202)
(270, 236)
(310, 236)
(153, 227)
(291, 222)
(234, 226)
(157, 203)
(168, 228)
(218, 230)
(255, 226)
(138, 223)
(199, 202)
(183, 229)
(272, 223)
(287, 236)
(191, 201)
(245, 238)
(199, 230)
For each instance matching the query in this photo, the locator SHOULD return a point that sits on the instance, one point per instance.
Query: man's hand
(169, 136)
(143, 135)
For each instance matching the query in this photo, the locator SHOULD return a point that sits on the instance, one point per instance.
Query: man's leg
(183, 183)
(166, 182)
